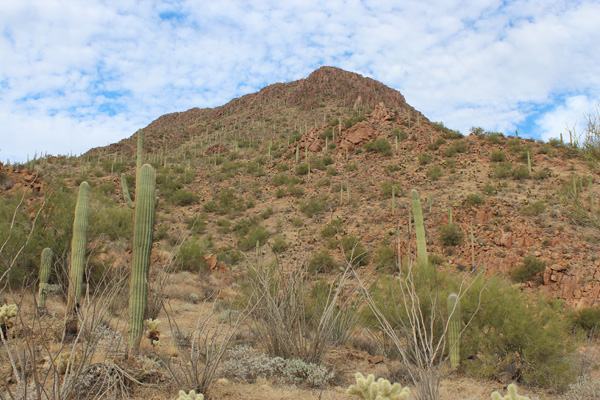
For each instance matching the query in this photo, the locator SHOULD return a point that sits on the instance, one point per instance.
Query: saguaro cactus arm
(126, 195)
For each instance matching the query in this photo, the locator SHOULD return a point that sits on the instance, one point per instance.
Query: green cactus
(45, 265)
(454, 328)
(369, 389)
(78, 245)
(143, 227)
(512, 394)
(422, 259)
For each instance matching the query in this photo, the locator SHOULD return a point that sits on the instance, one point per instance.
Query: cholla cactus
(8, 312)
(190, 396)
(369, 389)
(512, 394)
(153, 332)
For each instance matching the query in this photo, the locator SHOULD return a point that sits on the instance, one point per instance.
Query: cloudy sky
(80, 74)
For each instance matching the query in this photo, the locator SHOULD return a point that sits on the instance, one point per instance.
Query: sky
(81, 74)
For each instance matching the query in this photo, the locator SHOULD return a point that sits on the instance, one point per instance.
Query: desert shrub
(351, 167)
(588, 318)
(226, 202)
(350, 122)
(381, 146)
(399, 133)
(112, 220)
(331, 171)
(332, 228)
(279, 244)
(322, 261)
(327, 134)
(541, 174)
(183, 197)
(489, 189)
(451, 234)
(535, 208)
(502, 170)
(354, 251)
(520, 172)
(525, 333)
(314, 205)
(434, 172)
(295, 190)
(191, 255)
(302, 169)
(197, 224)
(433, 146)
(255, 234)
(498, 156)
(474, 199)
(386, 189)
(384, 258)
(530, 269)
(424, 158)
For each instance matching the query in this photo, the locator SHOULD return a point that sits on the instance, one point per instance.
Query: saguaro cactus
(78, 245)
(45, 265)
(422, 259)
(454, 329)
(143, 227)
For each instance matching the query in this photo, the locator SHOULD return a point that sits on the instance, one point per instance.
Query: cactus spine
(454, 329)
(78, 242)
(143, 227)
(45, 265)
(422, 259)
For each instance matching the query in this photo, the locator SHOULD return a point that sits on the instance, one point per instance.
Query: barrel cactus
(78, 246)
(45, 266)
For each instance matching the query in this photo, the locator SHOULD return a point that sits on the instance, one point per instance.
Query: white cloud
(100, 70)
(571, 115)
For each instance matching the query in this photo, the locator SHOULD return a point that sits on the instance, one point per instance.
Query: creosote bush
(529, 270)
(381, 146)
(451, 235)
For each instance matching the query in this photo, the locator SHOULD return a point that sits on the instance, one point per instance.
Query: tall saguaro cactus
(143, 227)
(45, 266)
(454, 329)
(422, 259)
(78, 245)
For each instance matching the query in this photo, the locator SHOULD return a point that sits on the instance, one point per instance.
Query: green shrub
(351, 167)
(332, 228)
(588, 318)
(399, 133)
(279, 244)
(489, 189)
(520, 172)
(197, 224)
(313, 206)
(474, 199)
(327, 134)
(434, 172)
(530, 270)
(302, 169)
(386, 189)
(451, 235)
(502, 170)
(424, 158)
(535, 208)
(331, 171)
(498, 156)
(191, 255)
(541, 174)
(381, 146)
(350, 122)
(354, 250)
(322, 262)
(183, 197)
(384, 258)
(255, 234)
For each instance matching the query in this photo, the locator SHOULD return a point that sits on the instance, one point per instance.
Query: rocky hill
(331, 147)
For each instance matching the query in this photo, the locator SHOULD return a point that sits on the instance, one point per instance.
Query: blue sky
(80, 74)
